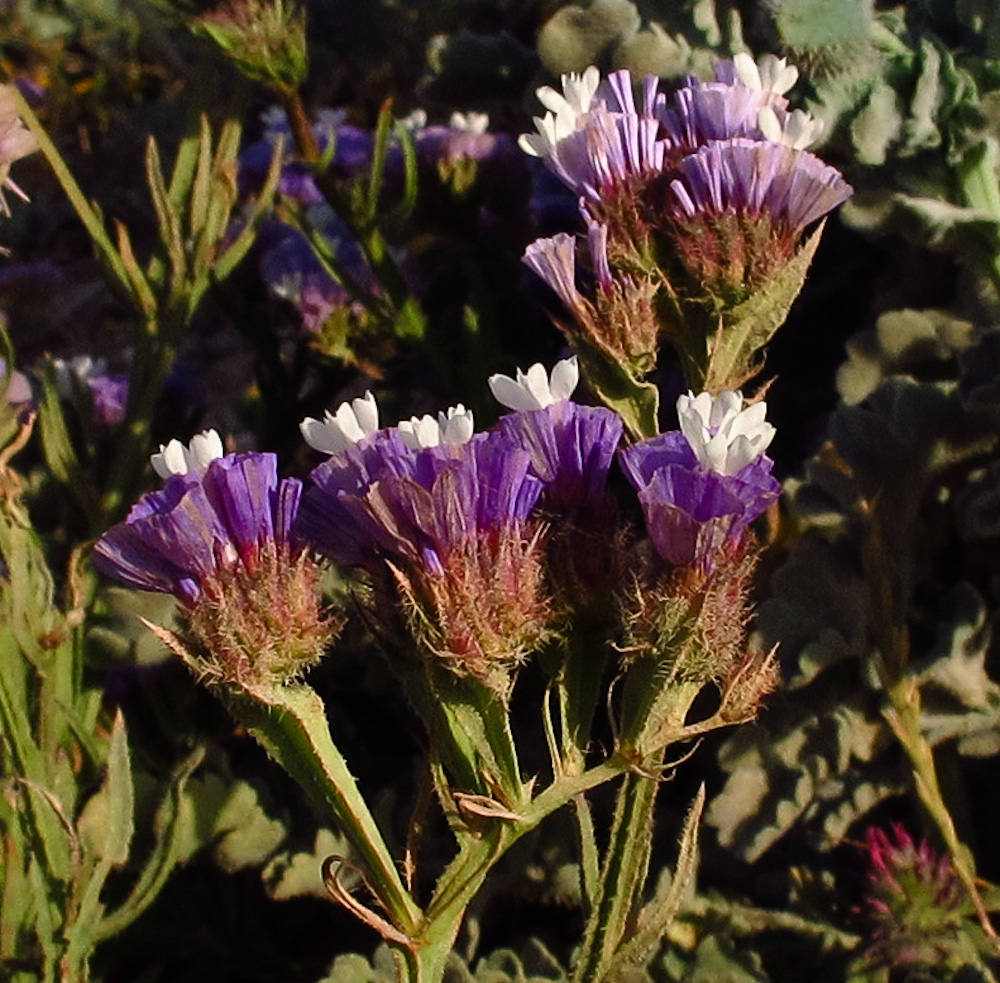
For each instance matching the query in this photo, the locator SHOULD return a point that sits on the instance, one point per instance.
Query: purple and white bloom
(443, 533)
(565, 110)
(594, 137)
(449, 429)
(176, 459)
(16, 141)
(696, 507)
(536, 389)
(724, 435)
(353, 421)
(200, 525)
(108, 391)
(220, 540)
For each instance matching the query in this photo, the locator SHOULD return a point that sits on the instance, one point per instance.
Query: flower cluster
(915, 902)
(705, 195)
(475, 540)
(443, 515)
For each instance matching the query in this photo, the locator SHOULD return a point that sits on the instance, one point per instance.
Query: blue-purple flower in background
(700, 487)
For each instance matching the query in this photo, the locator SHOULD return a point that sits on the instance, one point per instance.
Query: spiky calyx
(263, 622)
(696, 622)
(487, 611)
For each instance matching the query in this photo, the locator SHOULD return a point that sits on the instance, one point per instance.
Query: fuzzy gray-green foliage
(824, 754)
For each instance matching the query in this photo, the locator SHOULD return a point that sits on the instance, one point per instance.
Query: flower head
(914, 902)
(724, 435)
(700, 494)
(449, 524)
(220, 540)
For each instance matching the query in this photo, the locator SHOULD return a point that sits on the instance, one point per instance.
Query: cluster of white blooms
(175, 458)
(353, 421)
(565, 109)
(356, 419)
(451, 428)
(534, 389)
(724, 435)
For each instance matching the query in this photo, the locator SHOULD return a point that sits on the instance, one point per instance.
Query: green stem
(622, 877)
(290, 723)
(903, 716)
(86, 213)
(465, 875)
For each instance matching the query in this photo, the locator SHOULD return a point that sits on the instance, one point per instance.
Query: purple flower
(292, 273)
(793, 188)
(597, 140)
(200, 526)
(109, 396)
(571, 446)
(443, 533)
(380, 497)
(693, 511)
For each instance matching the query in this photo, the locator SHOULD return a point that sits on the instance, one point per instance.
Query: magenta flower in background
(702, 486)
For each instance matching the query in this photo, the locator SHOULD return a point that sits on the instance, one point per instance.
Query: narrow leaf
(657, 916)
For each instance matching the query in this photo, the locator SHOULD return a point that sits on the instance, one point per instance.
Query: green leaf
(293, 875)
(173, 815)
(106, 824)
(877, 126)
(619, 388)
(658, 915)
(745, 329)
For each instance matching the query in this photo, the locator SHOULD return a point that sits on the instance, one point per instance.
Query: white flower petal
(323, 435)
(507, 392)
(456, 425)
(366, 412)
(564, 379)
(536, 382)
(204, 448)
(172, 459)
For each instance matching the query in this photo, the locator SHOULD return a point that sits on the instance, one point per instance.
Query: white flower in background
(175, 458)
(353, 421)
(797, 130)
(450, 428)
(476, 123)
(771, 75)
(72, 373)
(723, 434)
(565, 109)
(534, 390)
